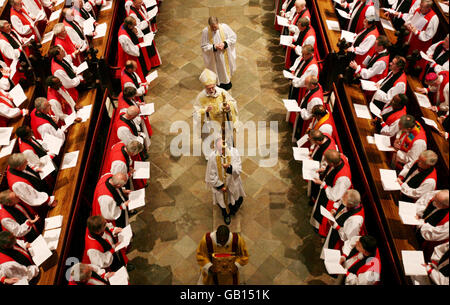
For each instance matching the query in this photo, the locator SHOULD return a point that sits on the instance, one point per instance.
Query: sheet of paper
(387, 25)
(152, 76)
(291, 105)
(149, 37)
(368, 85)
(137, 199)
(444, 7)
(389, 180)
(5, 135)
(333, 25)
(303, 140)
(288, 74)
(430, 123)
(7, 149)
(107, 6)
(383, 142)
(55, 15)
(147, 109)
(101, 30)
(152, 13)
(370, 140)
(18, 95)
(47, 37)
(70, 159)
(82, 67)
(70, 119)
(53, 143)
(375, 110)
(331, 261)
(84, 113)
(325, 213)
(149, 3)
(425, 56)
(407, 213)
(88, 26)
(349, 36)
(423, 100)
(300, 153)
(53, 222)
(21, 282)
(48, 167)
(52, 238)
(418, 22)
(309, 169)
(58, 2)
(362, 111)
(412, 262)
(120, 277)
(343, 14)
(39, 250)
(124, 238)
(142, 170)
(282, 21)
(285, 40)
(389, 10)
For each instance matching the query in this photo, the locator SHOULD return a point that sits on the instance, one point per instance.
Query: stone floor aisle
(274, 219)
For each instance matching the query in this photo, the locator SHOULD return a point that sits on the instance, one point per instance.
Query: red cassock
(123, 103)
(122, 56)
(18, 75)
(72, 91)
(360, 38)
(118, 153)
(309, 32)
(91, 243)
(342, 170)
(37, 119)
(70, 48)
(415, 43)
(126, 77)
(3, 100)
(21, 15)
(53, 94)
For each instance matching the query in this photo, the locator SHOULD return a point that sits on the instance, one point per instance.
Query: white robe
(109, 209)
(428, 185)
(386, 97)
(215, 61)
(98, 258)
(435, 276)
(13, 269)
(30, 195)
(15, 228)
(233, 182)
(437, 68)
(428, 231)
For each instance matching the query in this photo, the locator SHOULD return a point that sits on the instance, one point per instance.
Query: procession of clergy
(222, 253)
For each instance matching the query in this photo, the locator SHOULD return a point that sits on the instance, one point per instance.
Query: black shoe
(232, 209)
(131, 213)
(238, 204)
(311, 202)
(130, 267)
(226, 216)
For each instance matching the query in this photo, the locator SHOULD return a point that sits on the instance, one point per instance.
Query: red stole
(69, 47)
(36, 121)
(395, 116)
(21, 15)
(360, 58)
(385, 59)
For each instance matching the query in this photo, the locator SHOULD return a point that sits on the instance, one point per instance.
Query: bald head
(332, 157)
(300, 4)
(17, 161)
(133, 111)
(441, 199)
(134, 148)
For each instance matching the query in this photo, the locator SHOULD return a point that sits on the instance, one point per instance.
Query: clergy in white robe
(35, 8)
(361, 258)
(437, 268)
(394, 83)
(358, 10)
(389, 123)
(441, 48)
(349, 220)
(27, 27)
(32, 148)
(75, 30)
(312, 69)
(419, 177)
(60, 99)
(27, 184)
(130, 78)
(8, 110)
(223, 177)
(16, 261)
(432, 208)
(219, 54)
(40, 126)
(126, 135)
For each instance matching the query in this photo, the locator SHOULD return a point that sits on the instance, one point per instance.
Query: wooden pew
(374, 220)
(69, 182)
(16, 123)
(398, 236)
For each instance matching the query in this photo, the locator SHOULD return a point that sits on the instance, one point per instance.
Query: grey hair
(353, 198)
(58, 28)
(16, 160)
(3, 23)
(300, 2)
(39, 103)
(135, 147)
(80, 272)
(4, 197)
(132, 111)
(119, 179)
(444, 194)
(430, 157)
